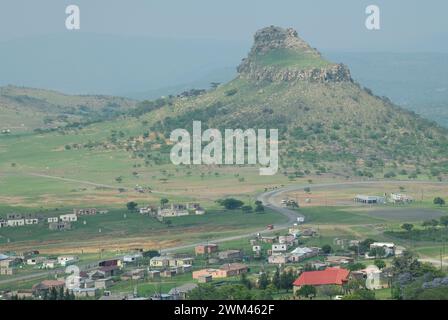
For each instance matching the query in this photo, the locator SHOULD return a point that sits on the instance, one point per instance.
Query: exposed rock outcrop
(274, 38)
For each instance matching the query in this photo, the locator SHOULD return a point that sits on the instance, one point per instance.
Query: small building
(400, 198)
(179, 262)
(110, 262)
(136, 274)
(31, 221)
(230, 255)
(168, 273)
(187, 268)
(181, 292)
(103, 284)
(338, 260)
(256, 248)
(49, 264)
(234, 269)
(14, 216)
(308, 232)
(174, 210)
(67, 260)
(389, 248)
(279, 248)
(16, 222)
(85, 212)
(329, 276)
(206, 249)
(159, 262)
(147, 210)
(289, 240)
(85, 292)
(52, 219)
(226, 270)
(71, 217)
(35, 260)
(266, 239)
(154, 274)
(206, 278)
(60, 226)
(364, 199)
(3, 223)
(301, 253)
(132, 258)
(294, 231)
(47, 285)
(7, 271)
(24, 294)
(278, 259)
(109, 271)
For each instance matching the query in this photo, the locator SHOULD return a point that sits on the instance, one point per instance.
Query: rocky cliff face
(274, 38)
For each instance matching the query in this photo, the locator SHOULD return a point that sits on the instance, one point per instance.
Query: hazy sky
(406, 25)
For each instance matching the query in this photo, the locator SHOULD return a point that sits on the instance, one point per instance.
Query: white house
(300, 219)
(70, 217)
(400, 198)
(3, 223)
(388, 247)
(256, 248)
(49, 264)
(66, 260)
(132, 258)
(159, 262)
(360, 198)
(279, 248)
(289, 239)
(16, 223)
(53, 219)
(175, 210)
(35, 260)
(31, 221)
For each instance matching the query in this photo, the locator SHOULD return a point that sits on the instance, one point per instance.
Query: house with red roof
(329, 276)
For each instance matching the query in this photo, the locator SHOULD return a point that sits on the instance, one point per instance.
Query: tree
(380, 263)
(276, 279)
(247, 209)
(377, 252)
(444, 221)
(327, 249)
(356, 266)
(329, 290)
(131, 205)
(263, 282)
(164, 201)
(361, 294)
(306, 291)
(230, 203)
(430, 223)
(245, 281)
(439, 201)
(286, 281)
(407, 226)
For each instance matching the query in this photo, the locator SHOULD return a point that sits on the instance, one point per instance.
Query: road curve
(268, 199)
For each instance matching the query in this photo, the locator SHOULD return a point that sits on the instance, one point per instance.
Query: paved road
(268, 199)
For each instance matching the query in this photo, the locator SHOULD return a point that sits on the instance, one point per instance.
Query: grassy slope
(25, 109)
(291, 58)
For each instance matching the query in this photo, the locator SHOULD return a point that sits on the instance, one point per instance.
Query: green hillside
(27, 109)
(327, 124)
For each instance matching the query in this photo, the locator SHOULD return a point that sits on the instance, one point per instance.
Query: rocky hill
(327, 122)
(280, 55)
